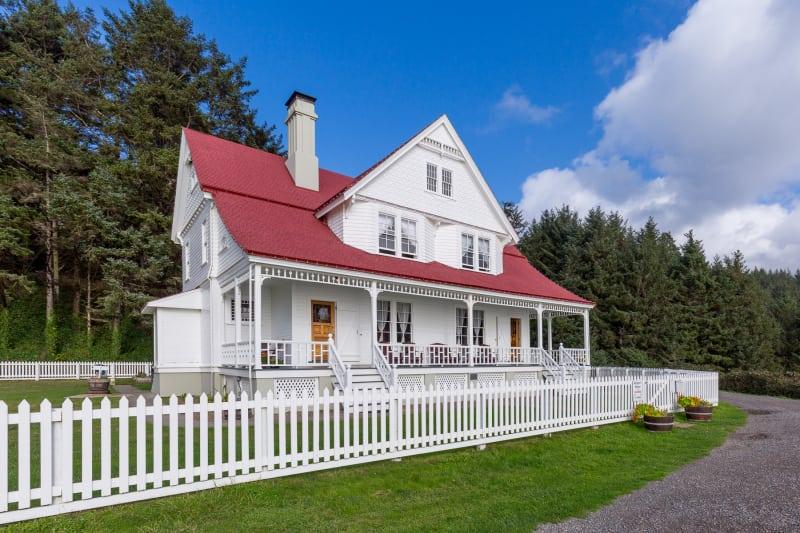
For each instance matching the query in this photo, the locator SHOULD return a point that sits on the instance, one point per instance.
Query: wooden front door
(323, 323)
(516, 340)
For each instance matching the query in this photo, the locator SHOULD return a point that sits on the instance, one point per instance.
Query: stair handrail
(566, 359)
(551, 365)
(339, 368)
(382, 365)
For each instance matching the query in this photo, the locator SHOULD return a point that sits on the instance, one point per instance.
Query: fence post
(77, 370)
(56, 443)
(36, 370)
(113, 370)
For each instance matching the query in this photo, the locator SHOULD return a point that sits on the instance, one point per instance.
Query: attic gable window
(467, 251)
(447, 182)
(192, 178)
(432, 178)
(386, 234)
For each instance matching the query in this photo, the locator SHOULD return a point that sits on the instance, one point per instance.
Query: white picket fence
(67, 459)
(36, 370)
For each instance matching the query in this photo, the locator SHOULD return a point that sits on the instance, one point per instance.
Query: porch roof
(268, 216)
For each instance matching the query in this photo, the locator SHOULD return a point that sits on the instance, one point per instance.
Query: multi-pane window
(467, 251)
(204, 240)
(483, 255)
(384, 321)
(386, 234)
(403, 322)
(462, 327)
(187, 252)
(408, 238)
(477, 327)
(447, 182)
(245, 310)
(432, 177)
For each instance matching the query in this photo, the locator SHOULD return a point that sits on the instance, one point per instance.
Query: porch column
(256, 316)
(539, 339)
(237, 317)
(373, 305)
(586, 335)
(470, 347)
(550, 332)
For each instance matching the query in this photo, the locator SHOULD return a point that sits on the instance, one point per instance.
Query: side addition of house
(297, 278)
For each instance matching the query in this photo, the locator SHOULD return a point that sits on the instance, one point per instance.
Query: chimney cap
(302, 96)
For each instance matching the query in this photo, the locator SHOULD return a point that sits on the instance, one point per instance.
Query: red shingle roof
(269, 216)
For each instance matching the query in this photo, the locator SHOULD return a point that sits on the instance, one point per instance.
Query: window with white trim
(467, 251)
(408, 238)
(462, 327)
(204, 240)
(483, 255)
(245, 310)
(403, 322)
(386, 234)
(432, 177)
(447, 182)
(384, 325)
(187, 252)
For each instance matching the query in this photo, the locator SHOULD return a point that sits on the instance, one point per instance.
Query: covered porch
(288, 317)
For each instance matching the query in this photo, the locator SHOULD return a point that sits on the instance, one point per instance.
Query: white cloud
(515, 106)
(712, 112)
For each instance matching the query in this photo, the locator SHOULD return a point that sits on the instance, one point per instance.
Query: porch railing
(294, 353)
(455, 355)
(579, 355)
(237, 353)
(340, 370)
(380, 362)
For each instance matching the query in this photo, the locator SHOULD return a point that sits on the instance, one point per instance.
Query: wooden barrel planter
(98, 385)
(658, 423)
(699, 413)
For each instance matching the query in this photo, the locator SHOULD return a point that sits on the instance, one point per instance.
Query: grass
(13, 392)
(510, 486)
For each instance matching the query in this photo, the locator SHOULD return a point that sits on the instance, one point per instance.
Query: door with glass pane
(516, 330)
(323, 323)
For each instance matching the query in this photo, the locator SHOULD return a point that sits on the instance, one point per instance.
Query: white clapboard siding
(36, 370)
(290, 435)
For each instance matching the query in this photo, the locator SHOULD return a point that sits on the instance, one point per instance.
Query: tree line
(90, 117)
(660, 303)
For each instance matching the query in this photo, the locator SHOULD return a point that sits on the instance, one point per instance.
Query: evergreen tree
(515, 217)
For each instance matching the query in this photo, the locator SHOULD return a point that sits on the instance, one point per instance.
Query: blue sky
(684, 111)
(381, 73)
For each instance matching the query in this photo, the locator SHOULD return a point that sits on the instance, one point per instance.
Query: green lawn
(13, 392)
(510, 486)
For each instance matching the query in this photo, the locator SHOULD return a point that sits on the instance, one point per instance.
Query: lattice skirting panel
(492, 380)
(411, 383)
(525, 376)
(298, 387)
(451, 381)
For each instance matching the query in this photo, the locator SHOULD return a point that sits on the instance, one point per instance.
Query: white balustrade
(294, 353)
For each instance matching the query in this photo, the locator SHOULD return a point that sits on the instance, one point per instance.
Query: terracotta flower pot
(658, 423)
(98, 385)
(700, 413)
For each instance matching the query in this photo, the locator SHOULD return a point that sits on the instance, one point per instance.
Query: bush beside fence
(36, 370)
(71, 458)
(762, 382)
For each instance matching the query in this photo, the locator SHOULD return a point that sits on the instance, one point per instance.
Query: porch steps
(364, 377)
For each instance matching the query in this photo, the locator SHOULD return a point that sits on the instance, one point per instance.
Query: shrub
(645, 409)
(692, 401)
(762, 382)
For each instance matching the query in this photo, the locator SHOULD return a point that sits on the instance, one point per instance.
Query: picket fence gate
(36, 370)
(74, 458)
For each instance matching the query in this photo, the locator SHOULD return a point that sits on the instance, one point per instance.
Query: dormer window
(467, 251)
(432, 178)
(447, 182)
(386, 234)
(483, 255)
(408, 238)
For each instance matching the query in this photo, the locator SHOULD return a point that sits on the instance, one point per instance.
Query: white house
(297, 278)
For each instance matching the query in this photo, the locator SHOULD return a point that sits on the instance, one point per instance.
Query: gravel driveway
(750, 483)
